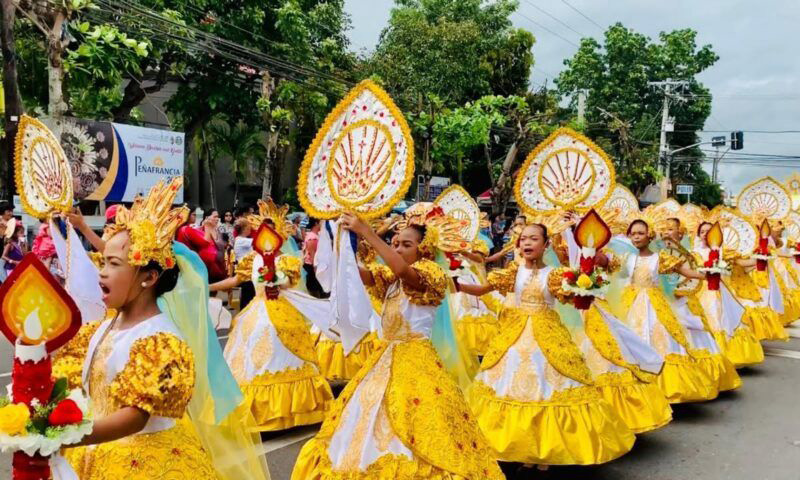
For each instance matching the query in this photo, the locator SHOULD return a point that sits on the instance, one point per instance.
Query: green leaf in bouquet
(60, 390)
(38, 425)
(4, 401)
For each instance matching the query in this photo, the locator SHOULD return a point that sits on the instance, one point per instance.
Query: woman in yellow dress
(785, 274)
(270, 349)
(690, 374)
(535, 397)
(724, 312)
(162, 398)
(403, 416)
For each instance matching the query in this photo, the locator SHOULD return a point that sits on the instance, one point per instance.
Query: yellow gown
(690, 374)
(147, 366)
(476, 318)
(789, 284)
(758, 316)
(535, 398)
(402, 416)
(270, 351)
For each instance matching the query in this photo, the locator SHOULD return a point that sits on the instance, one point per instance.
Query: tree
(437, 55)
(239, 144)
(623, 112)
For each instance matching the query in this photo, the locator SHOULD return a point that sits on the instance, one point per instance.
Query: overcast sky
(755, 83)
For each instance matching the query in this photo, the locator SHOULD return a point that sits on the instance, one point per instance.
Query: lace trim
(569, 396)
(284, 376)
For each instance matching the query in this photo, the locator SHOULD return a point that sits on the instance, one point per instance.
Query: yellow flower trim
(244, 268)
(530, 210)
(553, 338)
(97, 259)
(434, 282)
(568, 396)
(742, 285)
(292, 328)
(290, 266)
(14, 418)
(68, 360)
(374, 211)
(158, 378)
(503, 279)
(606, 344)
(555, 284)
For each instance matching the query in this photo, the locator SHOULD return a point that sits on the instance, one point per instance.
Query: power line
(554, 18)
(582, 15)
(546, 29)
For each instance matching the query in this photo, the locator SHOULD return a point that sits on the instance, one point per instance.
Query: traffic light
(737, 140)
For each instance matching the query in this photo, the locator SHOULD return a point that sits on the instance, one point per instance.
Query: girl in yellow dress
(403, 416)
(690, 374)
(270, 348)
(535, 397)
(785, 274)
(724, 312)
(162, 398)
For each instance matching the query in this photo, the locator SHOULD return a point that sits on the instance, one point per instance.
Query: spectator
(226, 226)
(498, 230)
(309, 252)
(43, 246)
(6, 211)
(298, 234)
(242, 243)
(14, 249)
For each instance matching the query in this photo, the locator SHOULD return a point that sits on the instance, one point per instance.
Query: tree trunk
(57, 107)
(502, 189)
(210, 170)
(267, 89)
(11, 96)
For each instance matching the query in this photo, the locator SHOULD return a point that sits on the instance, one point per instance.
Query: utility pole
(670, 89)
(581, 105)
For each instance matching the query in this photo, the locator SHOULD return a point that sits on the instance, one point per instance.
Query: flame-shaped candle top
(714, 236)
(267, 240)
(34, 308)
(765, 230)
(592, 231)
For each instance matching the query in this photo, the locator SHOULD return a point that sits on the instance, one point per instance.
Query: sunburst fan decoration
(692, 216)
(457, 203)
(268, 210)
(566, 171)
(793, 185)
(620, 205)
(443, 232)
(670, 205)
(362, 159)
(42, 171)
(655, 218)
(764, 199)
(792, 223)
(738, 233)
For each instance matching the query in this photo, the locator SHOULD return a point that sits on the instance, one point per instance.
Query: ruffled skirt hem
(642, 406)
(583, 432)
(335, 366)
(313, 464)
(278, 406)
(685, 379)
(765, 323)
(742, 349)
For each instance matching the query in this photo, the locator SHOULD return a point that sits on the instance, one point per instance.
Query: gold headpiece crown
(442, 232)
(152, 223)
(267, 210)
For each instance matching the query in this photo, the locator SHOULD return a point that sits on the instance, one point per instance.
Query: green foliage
(616, 76)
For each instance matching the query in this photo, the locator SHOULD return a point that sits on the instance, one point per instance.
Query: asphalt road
(753, 433)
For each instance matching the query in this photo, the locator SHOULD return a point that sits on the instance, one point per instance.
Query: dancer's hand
(355, 224)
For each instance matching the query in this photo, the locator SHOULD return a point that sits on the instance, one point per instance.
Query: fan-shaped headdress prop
(792, 223)
(268, 210)
(692, 216)
(362, 159)
(738, 232)
(458, 204)
(764, 199)
(567, 171)
(619, 207)
(442, 232)
(793, 185)
(42, 170)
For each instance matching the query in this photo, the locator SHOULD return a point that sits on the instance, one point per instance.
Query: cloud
(756, 82)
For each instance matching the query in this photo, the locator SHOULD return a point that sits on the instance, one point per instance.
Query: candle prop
(267, 243)
(591, 235)
(762, 251)
(714, 239)
(38, 316)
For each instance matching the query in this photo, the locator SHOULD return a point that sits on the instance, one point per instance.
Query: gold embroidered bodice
(533, 295)
(393, 323)
(98, 387)
(644, 275)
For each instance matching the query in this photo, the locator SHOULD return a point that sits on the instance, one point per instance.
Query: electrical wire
(583, 15)
(546, 29)
(554, 18)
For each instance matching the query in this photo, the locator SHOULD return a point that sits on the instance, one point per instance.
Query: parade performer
(164, 401)
(535, 397)
(689, 310)
(725, 315)
(270, 349)
(476, 322)
(403, 415)
(762, 202)
(688, 373)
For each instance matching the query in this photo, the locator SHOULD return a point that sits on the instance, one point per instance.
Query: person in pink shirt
(309, 251)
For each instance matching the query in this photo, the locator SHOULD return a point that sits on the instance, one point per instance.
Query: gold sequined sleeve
(503, 279)
(614, 264)
(434, 284)
(668, 263)
(382, 276)
(244, 269)
(555, 282)
(479, 247)
(68, 360)
(158, 378)
(731, 256)
(290, 266)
